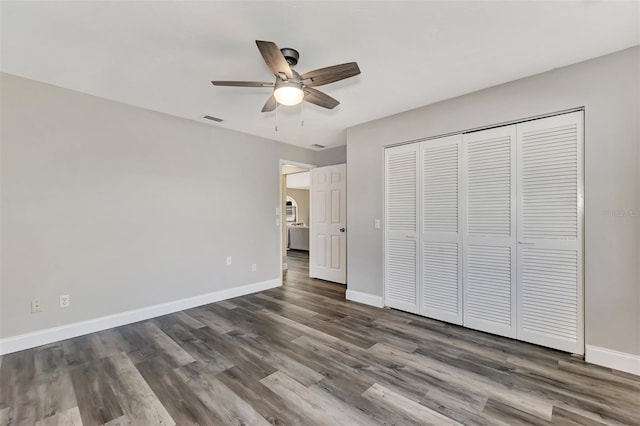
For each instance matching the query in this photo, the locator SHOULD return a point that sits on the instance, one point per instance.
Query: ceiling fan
(291, 88)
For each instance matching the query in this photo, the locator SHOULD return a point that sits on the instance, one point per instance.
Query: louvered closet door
(441, 248)
(489, 231)
(401, 230)
(550, 232)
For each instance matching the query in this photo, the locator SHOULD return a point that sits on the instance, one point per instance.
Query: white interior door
(550, 232)
(441, 239)
(328, 239)
(401, 228)
(489, 163)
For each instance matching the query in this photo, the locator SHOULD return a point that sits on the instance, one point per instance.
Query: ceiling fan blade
(270, 105)
(243, 83)
(274, 59)
(330, 74)
(317, 97)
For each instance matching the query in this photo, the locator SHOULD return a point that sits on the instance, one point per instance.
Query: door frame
(279, 217)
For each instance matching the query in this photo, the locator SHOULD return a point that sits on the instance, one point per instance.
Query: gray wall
(609, 89)
(124, 208)
(331, 156)
(302, 199)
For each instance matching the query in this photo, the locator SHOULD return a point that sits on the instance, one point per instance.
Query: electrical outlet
(36, 306)
(228, 260)
(65, 301)
(254, 267)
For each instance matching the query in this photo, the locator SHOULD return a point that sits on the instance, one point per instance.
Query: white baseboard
(55, 334)
(613, 359)
(366, 298)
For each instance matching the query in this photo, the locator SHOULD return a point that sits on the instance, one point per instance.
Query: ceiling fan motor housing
(291, 55)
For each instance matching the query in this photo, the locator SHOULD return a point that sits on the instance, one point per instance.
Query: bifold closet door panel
(401, 227)
(489, 253)
(441, 239)
(550, 232)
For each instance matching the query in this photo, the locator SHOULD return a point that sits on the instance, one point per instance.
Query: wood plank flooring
(302, 355)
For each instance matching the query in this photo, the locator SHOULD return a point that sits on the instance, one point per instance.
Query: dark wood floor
(301, 354)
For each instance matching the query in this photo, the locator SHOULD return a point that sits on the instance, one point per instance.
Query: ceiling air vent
(216, 119)
(317, 145)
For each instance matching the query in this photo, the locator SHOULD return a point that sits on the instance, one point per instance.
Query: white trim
(613, 359)
(365, 298)
(55, 334)
(297, 164)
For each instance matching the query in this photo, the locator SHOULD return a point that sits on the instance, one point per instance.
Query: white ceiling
(162, 55)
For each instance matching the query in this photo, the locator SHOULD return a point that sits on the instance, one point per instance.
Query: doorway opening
(295, 188)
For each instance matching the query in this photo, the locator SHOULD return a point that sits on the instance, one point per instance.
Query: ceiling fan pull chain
(302, 114)
(277, 105)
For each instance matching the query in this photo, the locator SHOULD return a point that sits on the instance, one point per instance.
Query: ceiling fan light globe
(288, 94)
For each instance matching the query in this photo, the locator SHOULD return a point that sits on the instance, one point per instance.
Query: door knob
(342, 229)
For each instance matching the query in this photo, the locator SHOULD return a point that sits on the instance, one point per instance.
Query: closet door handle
(526, 244)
